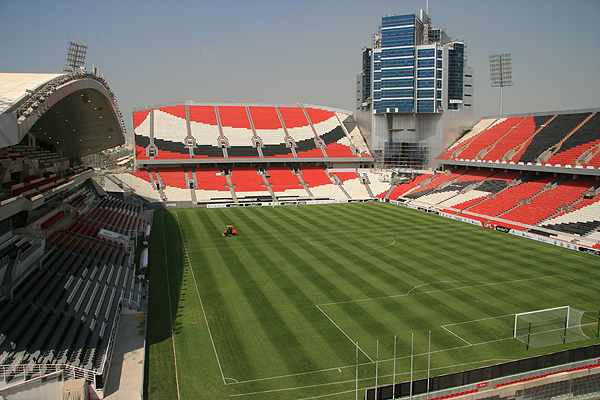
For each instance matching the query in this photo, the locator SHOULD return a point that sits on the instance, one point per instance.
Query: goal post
(549, 327)
(523, 321)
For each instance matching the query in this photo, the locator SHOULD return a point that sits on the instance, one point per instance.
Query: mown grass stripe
(453, 272)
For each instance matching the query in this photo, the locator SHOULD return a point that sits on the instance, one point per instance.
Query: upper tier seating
(581, 140)
(488, 137)
(330, 130)
(551, 134)
(245, 130)
(513, 138)
(238, 131)
(300, 130)
(170, 130)
(563, 139)
(269, 130)
(205, 129)
(356, 138)
(463, 142)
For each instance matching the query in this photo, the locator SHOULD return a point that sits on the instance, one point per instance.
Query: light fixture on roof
(75, 57)
(501, 72)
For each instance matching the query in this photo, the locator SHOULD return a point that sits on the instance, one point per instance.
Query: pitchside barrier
(500, 228)
(493, 377)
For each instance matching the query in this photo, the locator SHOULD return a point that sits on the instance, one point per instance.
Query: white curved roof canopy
(14, 87)
(75, 113)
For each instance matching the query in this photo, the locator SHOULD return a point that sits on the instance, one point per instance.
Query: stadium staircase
(546, 155)
(231, 187)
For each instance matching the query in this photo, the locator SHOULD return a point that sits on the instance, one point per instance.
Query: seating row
(203, 131)
(563, 139)
(63, 312)
(564, 204)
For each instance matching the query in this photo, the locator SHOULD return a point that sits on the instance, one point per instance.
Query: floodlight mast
(75, 57)
(501, 72)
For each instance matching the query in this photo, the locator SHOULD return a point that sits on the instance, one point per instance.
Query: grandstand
(503, 175)
(533, 173)
(206, 153)
(67, 248)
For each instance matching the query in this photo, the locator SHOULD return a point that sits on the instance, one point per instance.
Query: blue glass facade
(456, 66)
(418, 76)
(402, 62)
(394, 88)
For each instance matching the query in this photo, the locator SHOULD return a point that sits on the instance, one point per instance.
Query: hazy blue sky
(307, 51)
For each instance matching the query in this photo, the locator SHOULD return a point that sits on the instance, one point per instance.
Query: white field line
(478, 320)
(302, 373)
(486, 362)
(201, 304)
(170, 313)
(581, 283)
(351, 301)
(496, 360)
(425, 284)
(433, 352)
(287, 389)
(362, 379)
(345, 334)
(227, 215)
(439, 290)
(445, 327)
(449, 331)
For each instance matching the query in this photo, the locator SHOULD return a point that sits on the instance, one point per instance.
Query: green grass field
(275, 312)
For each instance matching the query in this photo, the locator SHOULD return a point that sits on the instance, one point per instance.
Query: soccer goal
(549, 327)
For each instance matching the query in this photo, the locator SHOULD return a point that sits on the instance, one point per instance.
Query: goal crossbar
(567, 308)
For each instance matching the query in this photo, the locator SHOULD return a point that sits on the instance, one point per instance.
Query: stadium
(268, 251)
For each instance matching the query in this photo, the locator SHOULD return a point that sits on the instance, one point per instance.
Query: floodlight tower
(75, 57)
(500, 72)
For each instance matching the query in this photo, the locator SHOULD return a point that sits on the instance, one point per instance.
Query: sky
(308, 51)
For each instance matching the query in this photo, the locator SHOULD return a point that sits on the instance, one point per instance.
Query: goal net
(549, 327)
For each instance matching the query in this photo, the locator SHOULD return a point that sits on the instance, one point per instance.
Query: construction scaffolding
(404, 154)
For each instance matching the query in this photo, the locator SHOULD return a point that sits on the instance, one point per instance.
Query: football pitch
(282, 310)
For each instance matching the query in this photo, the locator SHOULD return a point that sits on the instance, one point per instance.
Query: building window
(424, 53)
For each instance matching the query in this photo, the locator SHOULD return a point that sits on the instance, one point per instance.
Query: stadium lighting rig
(75, 57)
(501, 72)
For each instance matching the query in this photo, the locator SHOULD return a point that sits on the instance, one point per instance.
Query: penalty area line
(345, 334)
(448, 330)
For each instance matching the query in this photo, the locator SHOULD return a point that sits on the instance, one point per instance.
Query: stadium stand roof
(75, 113)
